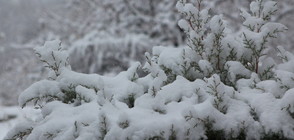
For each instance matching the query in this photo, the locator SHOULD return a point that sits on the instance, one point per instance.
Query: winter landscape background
(103, 37)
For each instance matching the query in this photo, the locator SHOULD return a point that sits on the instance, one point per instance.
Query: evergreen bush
(223, 85)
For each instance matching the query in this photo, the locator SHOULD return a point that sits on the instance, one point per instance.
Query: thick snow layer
(11, 116)
(116, 106)
(39, 90)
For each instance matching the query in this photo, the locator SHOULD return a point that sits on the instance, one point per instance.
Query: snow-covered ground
(9, 116)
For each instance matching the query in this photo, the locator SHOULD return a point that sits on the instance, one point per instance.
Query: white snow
(14, 115)
(185, 93)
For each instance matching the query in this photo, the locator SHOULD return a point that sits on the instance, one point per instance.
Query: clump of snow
(39, 90)
(184, 24)
(236, 69)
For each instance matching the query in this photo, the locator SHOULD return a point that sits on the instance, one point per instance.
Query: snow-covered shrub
(222, 86)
